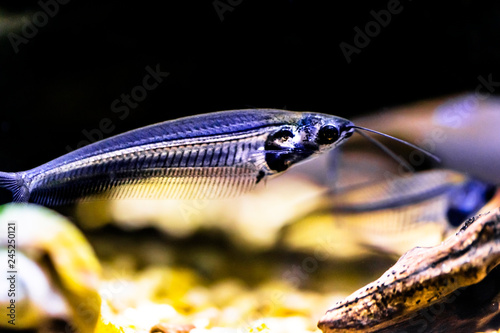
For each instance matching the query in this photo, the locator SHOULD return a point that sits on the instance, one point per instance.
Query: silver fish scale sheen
(214, 155)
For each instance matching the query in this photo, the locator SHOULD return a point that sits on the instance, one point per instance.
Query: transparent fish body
(215, 155)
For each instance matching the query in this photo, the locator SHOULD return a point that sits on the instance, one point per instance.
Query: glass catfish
(207, 156)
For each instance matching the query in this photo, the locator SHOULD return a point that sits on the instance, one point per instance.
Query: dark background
(277, 54)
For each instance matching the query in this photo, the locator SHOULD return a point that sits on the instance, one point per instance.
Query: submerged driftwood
(452, 286)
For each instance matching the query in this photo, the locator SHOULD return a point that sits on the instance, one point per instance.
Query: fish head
(306, 135)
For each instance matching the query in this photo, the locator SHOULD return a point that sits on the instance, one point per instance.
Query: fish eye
(327, 134)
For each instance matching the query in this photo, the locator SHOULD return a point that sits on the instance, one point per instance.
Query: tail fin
(12, 182)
